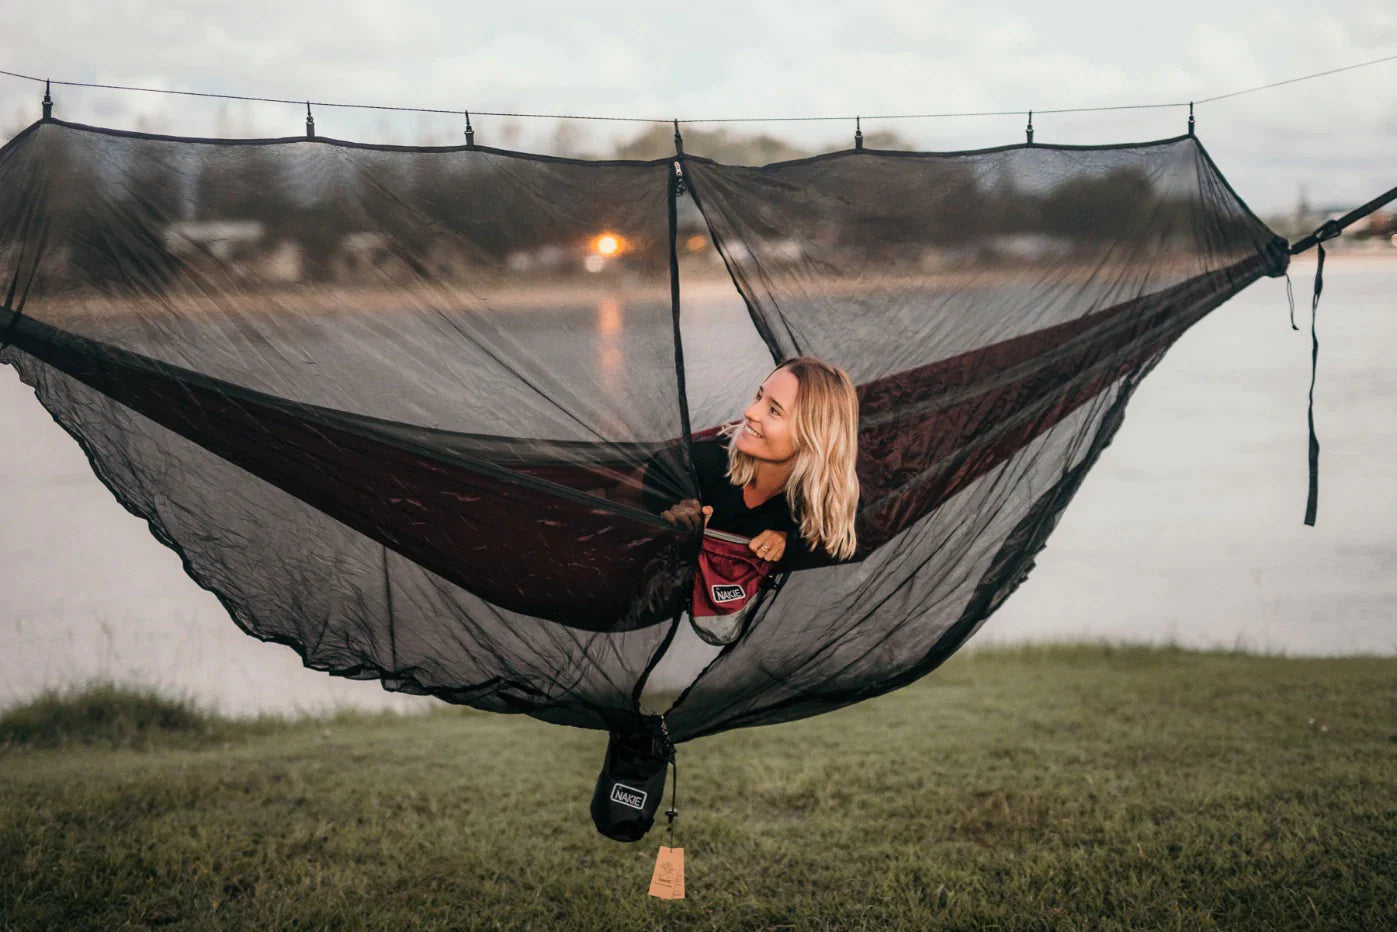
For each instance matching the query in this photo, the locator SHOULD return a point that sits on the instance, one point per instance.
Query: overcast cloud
(1337, 135)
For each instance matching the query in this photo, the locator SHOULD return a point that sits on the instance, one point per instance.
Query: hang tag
(668, 881)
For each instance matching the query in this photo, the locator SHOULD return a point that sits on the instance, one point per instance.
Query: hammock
(390, 404)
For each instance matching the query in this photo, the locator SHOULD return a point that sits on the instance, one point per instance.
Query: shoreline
(339, 298)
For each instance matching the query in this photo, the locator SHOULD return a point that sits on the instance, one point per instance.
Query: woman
(784, 475)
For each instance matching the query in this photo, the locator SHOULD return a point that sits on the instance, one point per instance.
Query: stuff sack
(631, 784)
(725, 586)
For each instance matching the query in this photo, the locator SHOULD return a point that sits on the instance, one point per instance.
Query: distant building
(1029, 247)
(237, 246)
(222, 239)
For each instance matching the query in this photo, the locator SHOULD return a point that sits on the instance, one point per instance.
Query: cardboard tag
(668, 880)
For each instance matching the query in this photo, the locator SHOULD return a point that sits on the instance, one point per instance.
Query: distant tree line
(112, 202)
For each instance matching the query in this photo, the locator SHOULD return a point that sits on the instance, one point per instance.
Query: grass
(1081, 787)
(107, 714)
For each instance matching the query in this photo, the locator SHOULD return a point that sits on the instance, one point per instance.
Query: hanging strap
(1328, 230)
(672, 813)
(1312, 502)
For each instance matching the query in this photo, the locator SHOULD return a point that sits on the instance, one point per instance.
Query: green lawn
(1064, 787)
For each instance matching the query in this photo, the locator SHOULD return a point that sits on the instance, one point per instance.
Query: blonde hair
(823, 488)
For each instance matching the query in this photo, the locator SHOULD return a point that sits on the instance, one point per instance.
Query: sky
(1335, 136)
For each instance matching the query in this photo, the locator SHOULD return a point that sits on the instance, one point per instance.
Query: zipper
(725, 536)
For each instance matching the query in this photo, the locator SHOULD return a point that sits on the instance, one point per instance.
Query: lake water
(1190, 528)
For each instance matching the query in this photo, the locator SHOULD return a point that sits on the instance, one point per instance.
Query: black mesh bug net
(386, 402)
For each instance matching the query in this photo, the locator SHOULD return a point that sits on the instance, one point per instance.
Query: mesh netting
(396, 406)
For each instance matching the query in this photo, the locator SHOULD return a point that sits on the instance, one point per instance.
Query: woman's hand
(769, 545)
(689, 514)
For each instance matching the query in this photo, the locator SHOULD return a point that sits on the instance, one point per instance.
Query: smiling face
(768, 424)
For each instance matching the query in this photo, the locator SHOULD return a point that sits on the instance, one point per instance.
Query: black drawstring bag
(631, 783)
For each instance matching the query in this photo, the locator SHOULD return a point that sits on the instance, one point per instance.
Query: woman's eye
(773, 410)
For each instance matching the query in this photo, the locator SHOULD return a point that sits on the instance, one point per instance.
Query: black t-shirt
(730, 511)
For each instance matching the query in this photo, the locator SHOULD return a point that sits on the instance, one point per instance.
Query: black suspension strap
(1312, 502)
(1332, 228)
(1327, 231)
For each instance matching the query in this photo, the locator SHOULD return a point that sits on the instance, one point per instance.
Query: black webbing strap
(1328, 230)
(1312, 502)
(1358, 213)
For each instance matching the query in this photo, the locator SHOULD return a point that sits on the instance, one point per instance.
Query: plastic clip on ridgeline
(48, 102)
(677, 178)
(470, 133)
(858, 136)
(1030, 127)
(1190, 118)
(310, 123)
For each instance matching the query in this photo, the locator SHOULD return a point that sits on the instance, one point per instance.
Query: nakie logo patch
(728, 593)
(627, 796)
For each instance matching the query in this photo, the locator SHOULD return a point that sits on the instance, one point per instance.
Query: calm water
(1189, 529)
